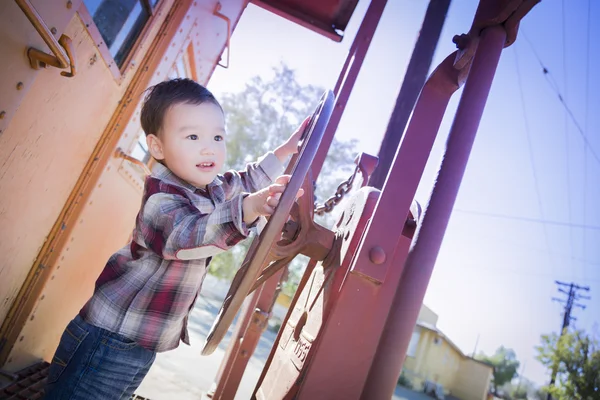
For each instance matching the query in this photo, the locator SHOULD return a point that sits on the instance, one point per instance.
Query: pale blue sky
(494, 277)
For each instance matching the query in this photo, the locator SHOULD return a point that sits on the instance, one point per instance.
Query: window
(120, 23)
(414, 342)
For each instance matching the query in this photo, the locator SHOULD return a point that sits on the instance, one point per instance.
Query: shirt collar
(160, 171)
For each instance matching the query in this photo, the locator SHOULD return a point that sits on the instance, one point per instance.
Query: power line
(530, 147)
(528, 219)
(567, 144)
(554, 86)
(587, 113)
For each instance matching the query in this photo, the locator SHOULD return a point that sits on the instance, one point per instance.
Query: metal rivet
(20, 86)
(2, 114)
(377, 255)
(53, 30)
(69, 4)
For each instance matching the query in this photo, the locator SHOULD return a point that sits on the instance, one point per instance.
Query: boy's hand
(264, 201)
(291, 145)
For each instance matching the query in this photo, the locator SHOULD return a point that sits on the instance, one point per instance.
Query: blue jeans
(93, 363)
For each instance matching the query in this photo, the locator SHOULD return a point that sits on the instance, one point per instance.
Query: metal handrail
(62, 50)
(226, 19)
(119, 153)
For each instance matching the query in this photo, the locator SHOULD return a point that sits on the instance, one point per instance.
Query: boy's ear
(155, 147)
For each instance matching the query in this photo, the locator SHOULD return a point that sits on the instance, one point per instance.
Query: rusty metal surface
(28, 383)
(332, 340)
(66, 258)
(261, 255)
(18, 35)
(62, 50)
(420, 261)
(80, 240)
(326, 17)
(241, 348)
(299, 336)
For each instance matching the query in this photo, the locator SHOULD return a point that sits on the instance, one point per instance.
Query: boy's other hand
(265, 201)
(291, 145)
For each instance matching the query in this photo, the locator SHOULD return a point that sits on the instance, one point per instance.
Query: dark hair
(166, 94)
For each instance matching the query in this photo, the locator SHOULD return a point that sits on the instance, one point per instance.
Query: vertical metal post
(348, 76)
(391, 351)
(252, 322)
(415, 77)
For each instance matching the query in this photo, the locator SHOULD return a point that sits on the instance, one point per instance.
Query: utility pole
(573, 296)
(476, 343)
(521, 376)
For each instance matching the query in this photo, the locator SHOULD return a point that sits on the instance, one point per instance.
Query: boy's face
(192, 142)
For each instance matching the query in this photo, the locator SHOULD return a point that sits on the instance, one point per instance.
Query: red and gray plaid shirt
(148, 288)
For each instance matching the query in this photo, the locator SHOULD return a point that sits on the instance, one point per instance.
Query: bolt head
(377, 255)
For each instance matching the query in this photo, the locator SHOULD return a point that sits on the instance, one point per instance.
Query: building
(433, 357)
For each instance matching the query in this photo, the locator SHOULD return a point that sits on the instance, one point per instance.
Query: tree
(258, 119)
(576, 357)
(505, 365)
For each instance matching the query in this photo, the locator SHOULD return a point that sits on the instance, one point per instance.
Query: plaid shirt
(148, 288)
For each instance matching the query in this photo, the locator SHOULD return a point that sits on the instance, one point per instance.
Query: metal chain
(341, 191)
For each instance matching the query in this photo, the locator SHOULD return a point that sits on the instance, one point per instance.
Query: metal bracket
(260, 319)
(224, 17)
(119, 153)
(37, 58)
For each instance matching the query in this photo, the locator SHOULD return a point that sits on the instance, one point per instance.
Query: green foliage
(259, 119)
(505, 365)
(576, 357)
(404, 381)
(519, 392)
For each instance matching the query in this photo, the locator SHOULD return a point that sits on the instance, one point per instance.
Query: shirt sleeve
(255, 176)
(175, 229)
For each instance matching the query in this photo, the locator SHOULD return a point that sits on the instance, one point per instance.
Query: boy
(189, 213)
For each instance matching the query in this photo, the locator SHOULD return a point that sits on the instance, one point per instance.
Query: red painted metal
(232, 364)
(285, 372)
(351, 319)
(339, 346)
(325, 17)
(414, 79)
(421, 259)
(348, 76)
(246, 336)
(252, 323)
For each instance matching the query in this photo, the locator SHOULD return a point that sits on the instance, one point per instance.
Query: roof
(435, 329)
(442, 335)
(326, 17)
